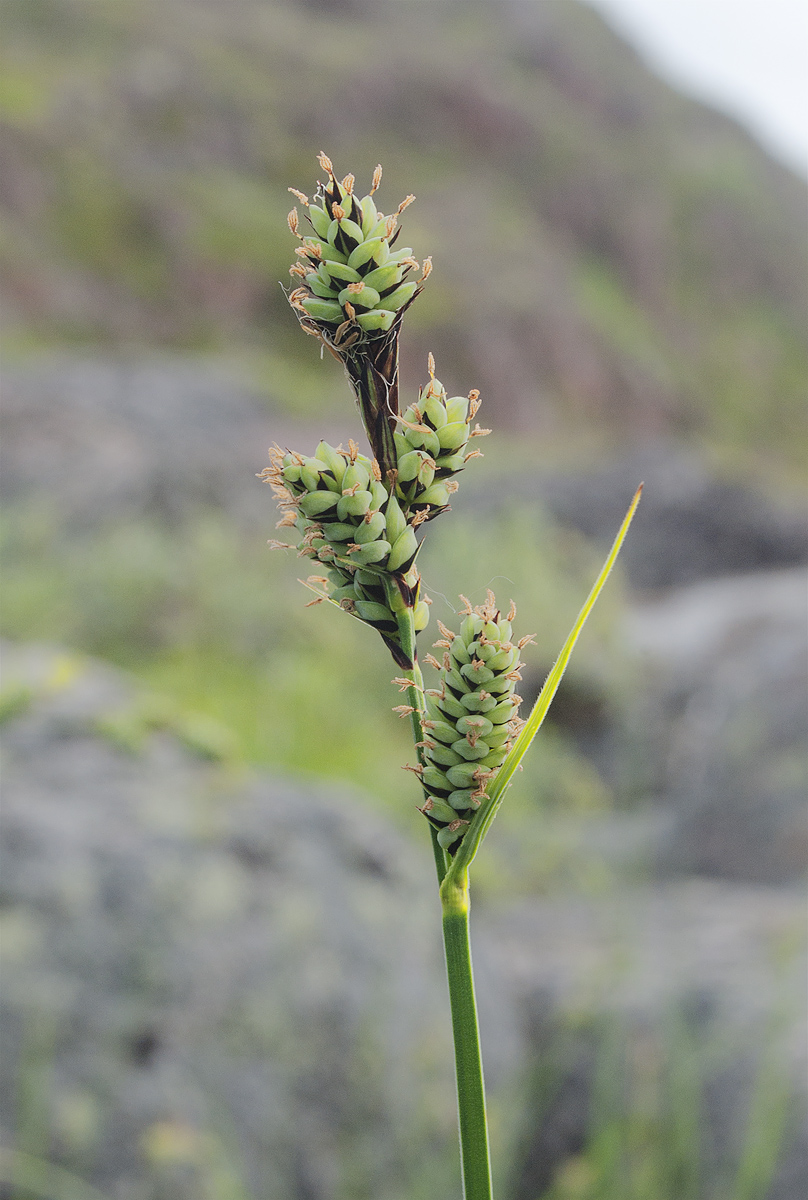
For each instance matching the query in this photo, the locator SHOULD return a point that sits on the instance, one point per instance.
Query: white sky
(746, 57)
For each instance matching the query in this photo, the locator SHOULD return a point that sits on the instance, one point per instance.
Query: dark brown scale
(386, 627)
(389, 291)
(431, 509)
(399, 657)
(331, 196)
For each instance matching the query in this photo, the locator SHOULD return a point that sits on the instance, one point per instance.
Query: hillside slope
(608, 254)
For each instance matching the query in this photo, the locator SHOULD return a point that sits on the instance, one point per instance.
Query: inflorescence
(358, 517)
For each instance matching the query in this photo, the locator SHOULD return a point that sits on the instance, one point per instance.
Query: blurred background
(222, 966)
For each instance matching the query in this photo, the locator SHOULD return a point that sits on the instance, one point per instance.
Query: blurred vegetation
(647, 1114)
(608, 253)
(240, 668)
(645, 1131)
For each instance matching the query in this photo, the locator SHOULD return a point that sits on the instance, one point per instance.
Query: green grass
(647, 1136)
(648, 1130)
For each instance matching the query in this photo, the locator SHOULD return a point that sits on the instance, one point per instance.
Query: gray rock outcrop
(726, 722)
(109, 440)
(221, 966)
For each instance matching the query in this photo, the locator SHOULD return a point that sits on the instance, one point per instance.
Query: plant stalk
(415, 699)
(454, 893)
(474, 1152)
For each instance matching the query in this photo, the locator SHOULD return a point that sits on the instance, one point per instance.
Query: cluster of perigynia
(472, 719)
(349, 273)
(354, 526)
(362, 528)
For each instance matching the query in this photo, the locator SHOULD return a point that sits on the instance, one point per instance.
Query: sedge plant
(361, 520)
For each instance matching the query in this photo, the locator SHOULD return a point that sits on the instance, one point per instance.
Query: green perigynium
(359, 519)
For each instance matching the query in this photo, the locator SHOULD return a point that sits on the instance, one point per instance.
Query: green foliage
(236, 221)
(35, 1178)
(645, 1134)
(202, 734)
(14, 700)
(523, 555)
(619, 318)
(648, 1128)
(497, 788)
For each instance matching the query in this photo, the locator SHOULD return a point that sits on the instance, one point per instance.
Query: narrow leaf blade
(480, 826)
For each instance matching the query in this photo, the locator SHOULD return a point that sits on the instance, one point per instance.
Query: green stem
(474, 1154)
(415, 699)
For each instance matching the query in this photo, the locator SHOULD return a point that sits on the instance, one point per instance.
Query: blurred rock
(700, 995)
(206, 956)
(102, 440)
(725, 712)
(691, 525)
(240, 977)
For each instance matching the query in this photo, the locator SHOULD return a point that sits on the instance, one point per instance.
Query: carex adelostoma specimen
(358, 518)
